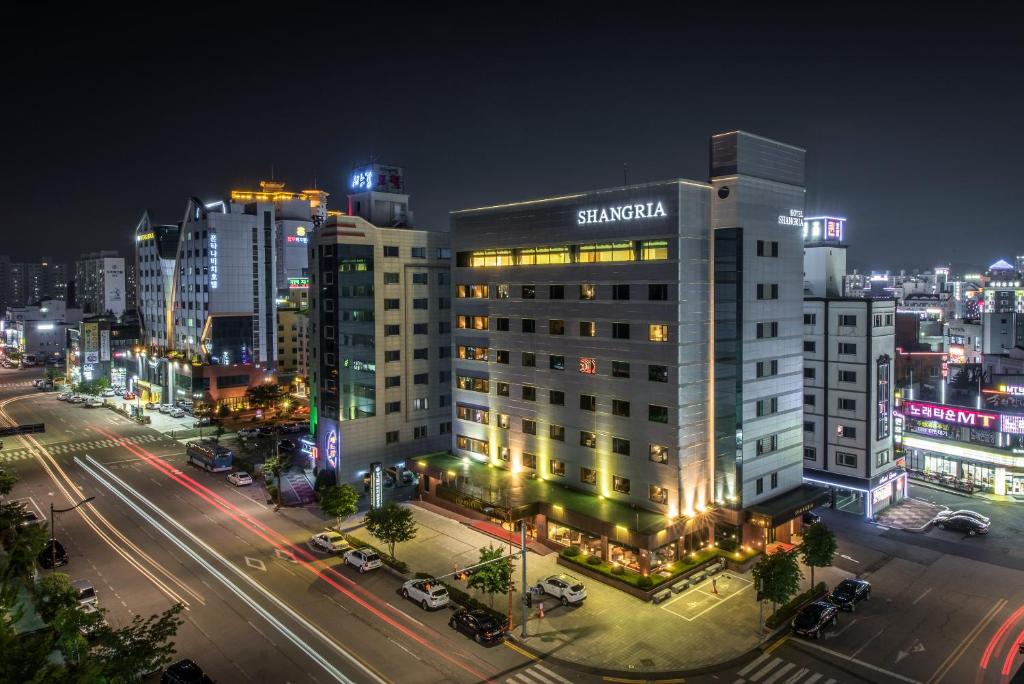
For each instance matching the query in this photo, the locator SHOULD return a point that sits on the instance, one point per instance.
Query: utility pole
(522, 530)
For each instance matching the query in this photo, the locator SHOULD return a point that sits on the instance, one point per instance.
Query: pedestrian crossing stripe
(71, 447)
(773, 672)
(537, 674)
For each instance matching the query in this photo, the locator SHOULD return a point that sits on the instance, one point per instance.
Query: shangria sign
(624, 212)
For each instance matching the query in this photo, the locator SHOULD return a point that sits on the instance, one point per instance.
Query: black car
(815, 617)
(963, 523)
(478, 624)
(185, 672)
(810, 518)
(849, 593)
(53, 555)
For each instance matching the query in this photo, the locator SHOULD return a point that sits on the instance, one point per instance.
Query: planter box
(642, 594)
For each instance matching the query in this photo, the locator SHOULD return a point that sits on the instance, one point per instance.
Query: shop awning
(787, 506)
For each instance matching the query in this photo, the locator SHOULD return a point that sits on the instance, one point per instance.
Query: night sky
(912, 123)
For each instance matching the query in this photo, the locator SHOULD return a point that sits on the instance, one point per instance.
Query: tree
(392, 524)
(24, 544)
(218, 432)
(7, 480)
(340, 502)
(496, 576)
(818, 547)
(54, 593)
(778, 576)
(264, 395)
(143, 646)
(274, 466)
(93, 387)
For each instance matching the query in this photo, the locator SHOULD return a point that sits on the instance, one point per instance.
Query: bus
(209, 455)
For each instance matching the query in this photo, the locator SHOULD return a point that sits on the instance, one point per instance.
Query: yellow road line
(952, 659)
(777, 644)
(520, 651)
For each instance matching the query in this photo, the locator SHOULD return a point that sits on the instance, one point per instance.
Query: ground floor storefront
(965, 467)
(861, 495)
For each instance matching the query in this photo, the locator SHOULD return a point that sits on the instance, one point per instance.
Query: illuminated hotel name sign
(625, 212)
(214, 276)
(795, 218)
(956, 415)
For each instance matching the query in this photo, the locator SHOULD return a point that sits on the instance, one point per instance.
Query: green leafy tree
(496, 576)
(818, 547)
(7, 480)
(93, 387)
(54, 593)
(339, 502)
(264, 395)
(143, 646)
(274, 466)
(23, 546)
(218, 432)
(778, 576)
(392, 524)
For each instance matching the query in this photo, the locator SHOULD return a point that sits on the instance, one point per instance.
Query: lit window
(606, 252)
(658, 333)
(491, 257)
(654, 250)
(531, 256)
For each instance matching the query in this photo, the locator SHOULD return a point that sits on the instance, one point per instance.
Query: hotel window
(809, 318)
(846, 459)
(766, 369)
(620, 292)
(766, 407)
(392, 355)
(504, 454)
(391, 250)
(501, 356)
(759, 485)
(810, 373)
(391, 304)
(477, 446)
(877, 321)
(606, 252)
(882, 457)
(620, 408)
(888, 319)
(529, 426)
(529, 360)
(528, 291)
(775, 480)
(529, 393)
(620, 484)
(391, 278)
(657, 414)
(501, 389)
(422, 404)
(473, 353)
(810, 346)
(501, 291)
(556, 398)
(657, 332)
(465, 382)
(421, 379)
(657, 292)
(848, 319)
(419, 432)
(418, 252)
(391, 330)
(588, 328)
(810, 454)
(423, 353)
(588, 291)
(767, 248)
(657, 373)
(767, 330)
(620, 331)
(557, 467)
(767, 290)
(490, 257)
(847, 404)
(847, 431)
(392, 407)
(657, 494)
(847, 376)
(620, 369)
(620, 446)
(556, 292)
(556, 362)
(393, 381)
(530, 461)
(391, 437)
(471, 322)
(502, 420)
(768, 444)
(556, 327)
(531, 256)
(654, 250)
(588, 439)
(810, 400)
(471, 291)
(658, 453)
(588, 476)
(529, 325)
(556, 432)
(588, 402)
(501, 324)
(420, 278)
(847, 348)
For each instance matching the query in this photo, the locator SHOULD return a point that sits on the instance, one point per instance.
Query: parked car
(202, 422)
(240, 478)
(363, 559)
(814, 617)
(267, 430)
(403, 477)
(63, 396)
(248, 432)
(93, 402)
(945, 515)
(810, 517)
(330, 541)
(30, 517)
(53, 555)
(176, 413)
(477, 624)
(564, 587)
(164, 408)
(963, 523)
(110, 393)
(77, 399)
(185, 671)
(150, 406)
(86, 592)
(849, 593)
(430, 594)
(286, 445)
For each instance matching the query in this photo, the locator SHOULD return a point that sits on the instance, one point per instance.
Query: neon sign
(954, 415)
(795, 218)
(331, 452)
(298, 283)
(146, 236)
(295, 239)
(376, 485)
(588, 365)
(626, 212)
(214, 276)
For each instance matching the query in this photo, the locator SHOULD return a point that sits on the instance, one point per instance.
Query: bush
(594, 560)
(272, 493)
(571, 551)
(618, 570)
(784, 612)
(645, 582)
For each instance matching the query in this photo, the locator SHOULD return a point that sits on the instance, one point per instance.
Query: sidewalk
(911, 515)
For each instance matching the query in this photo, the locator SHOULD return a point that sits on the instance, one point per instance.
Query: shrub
(618, 570)
(571, 551)
(787, 610)
(272, 493)
(645, 582)
(594, 560)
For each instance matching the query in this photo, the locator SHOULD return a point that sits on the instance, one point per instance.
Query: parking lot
(709, 595)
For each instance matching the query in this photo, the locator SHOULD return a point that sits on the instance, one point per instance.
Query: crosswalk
(8, 455)
(771, 670)
(537, 674)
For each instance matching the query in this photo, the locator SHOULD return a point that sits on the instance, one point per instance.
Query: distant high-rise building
(22, 284)
(100, 283)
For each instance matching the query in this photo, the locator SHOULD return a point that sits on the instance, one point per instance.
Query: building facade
(156, 252)
(100, 284)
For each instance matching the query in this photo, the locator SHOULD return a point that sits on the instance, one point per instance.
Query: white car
(329, 541)
(94, 402)
(86, 592)
(429, 594)
(363, 559)
(75, 399)
(110, 393)
(249, 432)
(945, 515)
(165, 408)
(240, 478)
(63, 396)
(176, 413)
(150, 406)
(564, 587)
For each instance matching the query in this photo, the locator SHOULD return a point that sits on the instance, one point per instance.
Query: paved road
(262, 606)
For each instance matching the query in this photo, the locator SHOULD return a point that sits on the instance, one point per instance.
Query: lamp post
(53, 514)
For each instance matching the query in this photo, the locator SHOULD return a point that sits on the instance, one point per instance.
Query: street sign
(23, 429)
(376, 485)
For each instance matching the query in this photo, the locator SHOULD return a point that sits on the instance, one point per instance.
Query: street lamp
(53, 513)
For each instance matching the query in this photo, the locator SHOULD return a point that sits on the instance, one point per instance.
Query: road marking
(850, 558)
(255, 563)
(796, 677)
(774, 646)
(964, 644)
(750, 666)
(559, 678)
(851, 659)
(782, 671)
(765, 670)
(865, 644)
(520, 651)
(813, 678)
(848, 625)
(926, 592)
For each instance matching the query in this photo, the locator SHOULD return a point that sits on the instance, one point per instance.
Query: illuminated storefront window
(532, 256)
(654, 250)
(606, 252)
